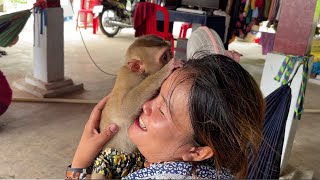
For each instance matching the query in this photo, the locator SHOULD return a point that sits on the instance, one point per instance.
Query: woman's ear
(198, 154)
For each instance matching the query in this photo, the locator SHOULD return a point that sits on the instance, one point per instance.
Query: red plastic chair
(85, 11)
(150, 21)
(183, 30)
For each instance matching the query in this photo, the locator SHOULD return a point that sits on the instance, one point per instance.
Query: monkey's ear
(135, 65)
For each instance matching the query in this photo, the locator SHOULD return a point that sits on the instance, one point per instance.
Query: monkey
(148, 63)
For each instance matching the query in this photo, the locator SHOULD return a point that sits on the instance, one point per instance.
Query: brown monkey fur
(148, 64)
(137, 81)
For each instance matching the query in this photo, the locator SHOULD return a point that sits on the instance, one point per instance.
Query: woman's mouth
(140, 123)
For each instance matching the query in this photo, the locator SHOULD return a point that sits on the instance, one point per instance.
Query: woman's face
(162, 133)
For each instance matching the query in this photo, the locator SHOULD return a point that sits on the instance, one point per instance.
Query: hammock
(11, 25)
(267, 163)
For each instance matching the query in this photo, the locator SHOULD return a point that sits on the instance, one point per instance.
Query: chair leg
(85, 20)
(183, 30)
(94, 25)
(180, 34)
(185, 33)
(97, 24)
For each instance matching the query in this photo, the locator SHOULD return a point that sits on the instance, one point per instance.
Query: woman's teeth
(142, 124)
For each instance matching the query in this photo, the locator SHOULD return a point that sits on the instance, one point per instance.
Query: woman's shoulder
(179, 170)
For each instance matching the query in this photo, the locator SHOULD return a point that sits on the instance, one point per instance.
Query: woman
(200, 125)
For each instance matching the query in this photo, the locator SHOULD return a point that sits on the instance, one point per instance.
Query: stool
(85, 11)
(183, 30)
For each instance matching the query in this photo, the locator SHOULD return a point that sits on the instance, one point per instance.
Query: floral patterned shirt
(179, 170)
(114, 164)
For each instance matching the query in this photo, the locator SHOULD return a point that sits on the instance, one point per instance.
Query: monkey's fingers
(178, 63)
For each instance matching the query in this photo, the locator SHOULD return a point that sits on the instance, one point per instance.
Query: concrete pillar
(295, 30)
(48, 58)
(48, 50)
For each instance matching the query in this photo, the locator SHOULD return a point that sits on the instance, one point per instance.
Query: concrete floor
(39, 139)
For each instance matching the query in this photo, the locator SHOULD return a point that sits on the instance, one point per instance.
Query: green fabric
(18, 21)
(286, 70)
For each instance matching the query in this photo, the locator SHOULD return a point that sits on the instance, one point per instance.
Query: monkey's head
(148, 54)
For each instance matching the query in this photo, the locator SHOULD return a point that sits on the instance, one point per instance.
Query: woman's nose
(147, 108)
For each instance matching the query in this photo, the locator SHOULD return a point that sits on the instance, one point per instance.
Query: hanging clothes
(249, 17)
(273, 10)
(250, 13)
(255, 12)
(141, 14)
(253, 4)
(246, 8)
(267, 6)
(240, 28)
(259, 4)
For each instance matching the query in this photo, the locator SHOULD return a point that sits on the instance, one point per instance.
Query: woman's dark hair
(226, 108)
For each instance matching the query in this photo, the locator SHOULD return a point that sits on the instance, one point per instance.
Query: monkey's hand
(92, 141)
(172, 65)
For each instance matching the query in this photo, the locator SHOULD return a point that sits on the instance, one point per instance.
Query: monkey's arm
(136, 97)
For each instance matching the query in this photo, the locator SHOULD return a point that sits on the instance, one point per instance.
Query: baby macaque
(137, 81)
(148, 64)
